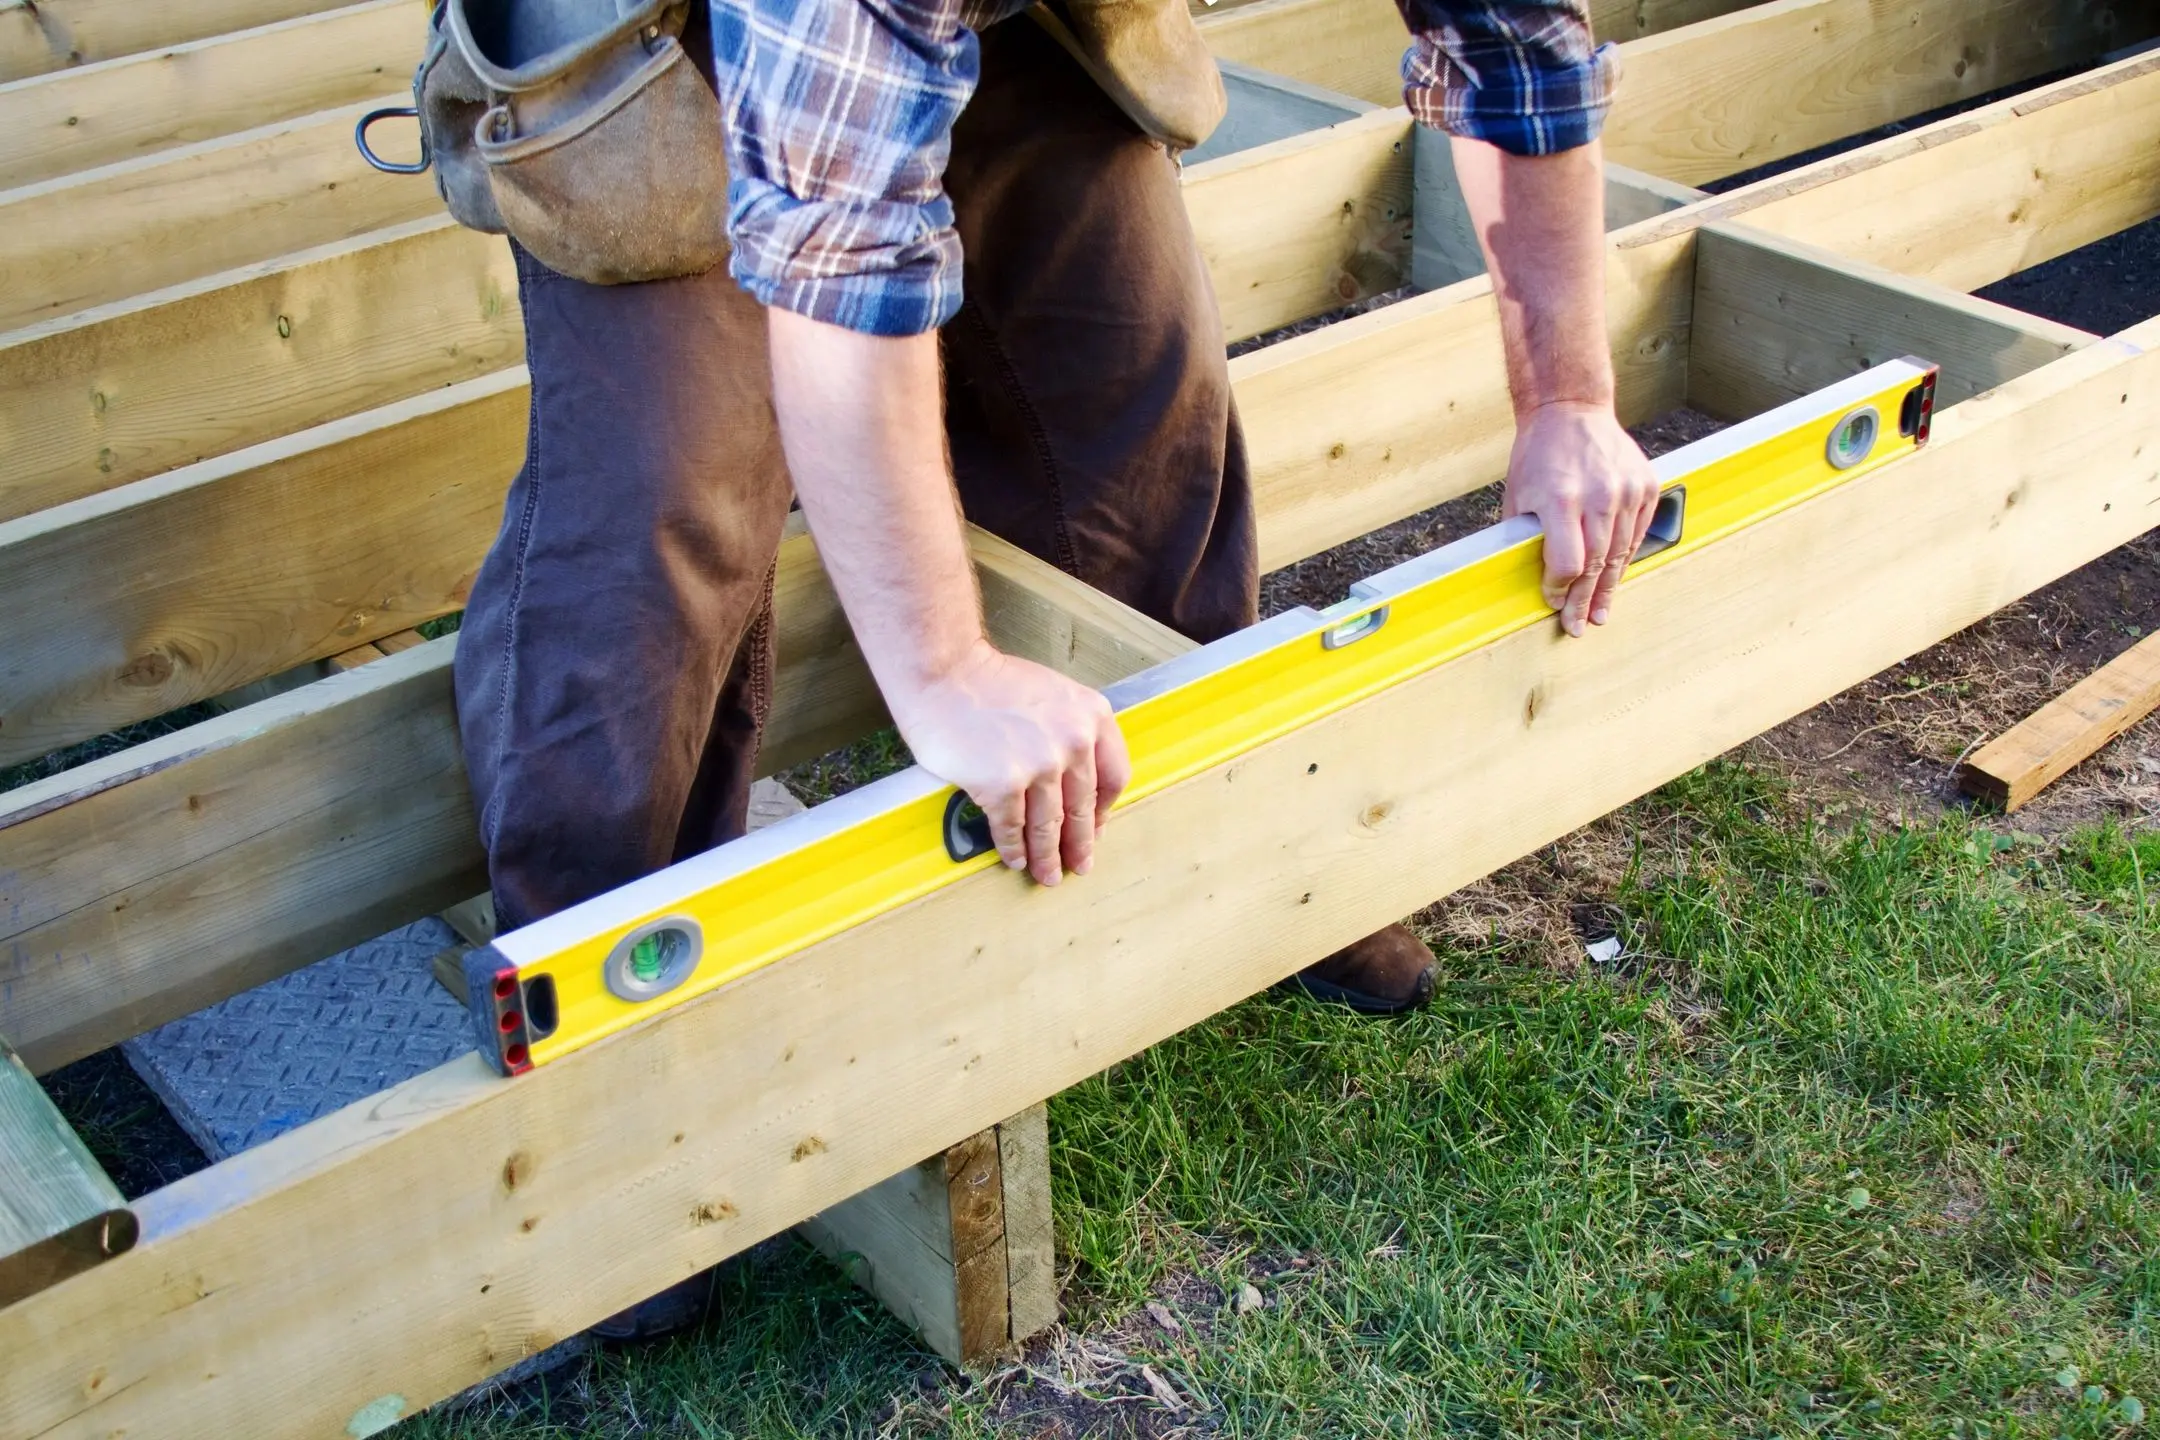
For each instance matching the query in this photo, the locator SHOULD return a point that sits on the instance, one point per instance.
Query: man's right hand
(1041, 754)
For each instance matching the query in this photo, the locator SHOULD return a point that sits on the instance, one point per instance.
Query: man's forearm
(1541, 221)
(862, 418)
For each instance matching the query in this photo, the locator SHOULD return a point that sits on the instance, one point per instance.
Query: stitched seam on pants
(1068, 559)
(490, 821)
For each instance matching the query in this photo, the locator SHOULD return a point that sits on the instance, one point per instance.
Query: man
(958, 266)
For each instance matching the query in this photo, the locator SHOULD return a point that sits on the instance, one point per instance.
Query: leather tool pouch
(581, 128)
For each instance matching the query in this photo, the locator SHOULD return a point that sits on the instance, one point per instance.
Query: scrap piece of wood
(1776, 319)
(140, 225)
(101, 114)
(1031, 1280)
(2047, 744)
(49, 35)
(821, 1074)
(59, 1212)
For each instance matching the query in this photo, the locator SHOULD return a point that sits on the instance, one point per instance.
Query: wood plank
(101, 114)
(1775, 319)
(146, 884)
(132, 390)
(1381, 416)
(1444, 244)
(55, 34)
(247, 565)
(1031, 1278)
(515, 1212)
(1352, 47)
(1986, 194)
(59, 1212)
(1772, 80)
(2055, 739)
(181, 214)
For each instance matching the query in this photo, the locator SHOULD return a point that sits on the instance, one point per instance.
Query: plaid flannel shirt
(840, 112)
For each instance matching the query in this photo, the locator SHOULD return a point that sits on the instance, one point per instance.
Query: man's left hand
(1593, 492)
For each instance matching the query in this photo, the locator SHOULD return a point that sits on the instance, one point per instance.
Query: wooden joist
(238, 568)
(1775, 319)
(137, 387)
(2045, 746)
(59, 1212)
(52, 35)
(164, 219)
(101, 114)
(1775, 79)
(555, 1198)
(1969, 200)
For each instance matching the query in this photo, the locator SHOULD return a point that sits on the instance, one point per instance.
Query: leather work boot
(1386, 973)
(1148, 56)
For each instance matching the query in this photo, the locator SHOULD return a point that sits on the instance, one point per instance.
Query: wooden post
(59, 1213)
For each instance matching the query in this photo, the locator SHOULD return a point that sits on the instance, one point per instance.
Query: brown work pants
(616, 655)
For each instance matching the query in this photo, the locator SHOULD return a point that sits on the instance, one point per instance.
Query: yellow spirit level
(571, 979)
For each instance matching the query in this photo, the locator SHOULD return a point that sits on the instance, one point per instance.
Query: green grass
(1861, 1137)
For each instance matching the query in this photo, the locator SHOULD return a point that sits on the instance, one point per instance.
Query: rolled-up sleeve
(839, 119)
(1528, 78)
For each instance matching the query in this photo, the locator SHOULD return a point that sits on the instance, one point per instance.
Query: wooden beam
(2048, 744)
(59, 1212)
(118, 110)
(1772, 80)
(512, 1213)
(55, 34)
(146, 884)
(1986, 194)
(1775, 319)
(121, 230)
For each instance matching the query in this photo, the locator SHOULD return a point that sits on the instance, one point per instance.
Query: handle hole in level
(967, 829)
(540, 1014)
(1667, 523)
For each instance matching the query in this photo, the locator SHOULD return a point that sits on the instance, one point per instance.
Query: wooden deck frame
(1692, 264)
(907, 1034)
